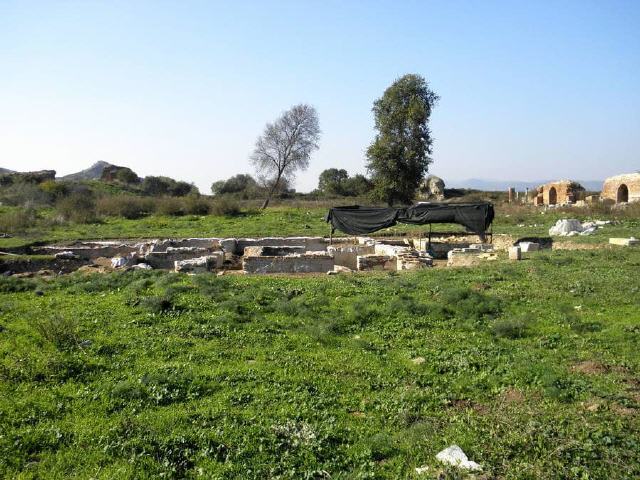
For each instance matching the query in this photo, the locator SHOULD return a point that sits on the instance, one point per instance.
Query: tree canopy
(399, 158)
(286, 146)
(337, 182)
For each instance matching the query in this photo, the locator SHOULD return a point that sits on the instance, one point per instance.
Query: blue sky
(529, 90)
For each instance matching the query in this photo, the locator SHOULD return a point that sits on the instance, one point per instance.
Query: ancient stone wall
(308, 263)
(561, 192)
(346, 255)
(622, 188)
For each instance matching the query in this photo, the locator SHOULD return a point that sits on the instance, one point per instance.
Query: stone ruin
(562, 192)
(622, 188)
(288, 255)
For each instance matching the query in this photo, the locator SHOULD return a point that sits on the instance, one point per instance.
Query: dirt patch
(512, 395)
(469, 405)
(569, 245)
(622, 410)
(590, 367)
(592, 405)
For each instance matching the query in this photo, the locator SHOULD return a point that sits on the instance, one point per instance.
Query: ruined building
(561, 192)
(622, 188)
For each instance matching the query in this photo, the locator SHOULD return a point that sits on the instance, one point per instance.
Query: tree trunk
(271, 191)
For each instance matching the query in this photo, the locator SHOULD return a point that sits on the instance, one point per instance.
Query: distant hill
(5, 170)
(94, 172)
(501, 185)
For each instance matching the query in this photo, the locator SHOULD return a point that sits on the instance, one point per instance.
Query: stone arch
(623, 194)
(553, 196)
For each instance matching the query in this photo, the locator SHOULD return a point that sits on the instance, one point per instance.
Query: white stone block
(529, 246)
(625, 242)
(515, 253)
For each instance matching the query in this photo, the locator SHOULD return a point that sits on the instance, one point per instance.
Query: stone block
(529, 246)
(413, 262)
(310, 244)
(463, 257)
(167, 259)
(210, 243)
(483, 247)
(376, 262)
(203, 264)
(230, 246)
(346, 255)
(307, 263)
(515, 253)
(625, 242)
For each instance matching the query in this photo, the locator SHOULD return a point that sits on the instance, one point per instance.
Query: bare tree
(286, 145)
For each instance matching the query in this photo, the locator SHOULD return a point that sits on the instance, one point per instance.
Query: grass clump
(158, 304)
(225, 206)
(17, 220)
(512, 327)
(61, 331)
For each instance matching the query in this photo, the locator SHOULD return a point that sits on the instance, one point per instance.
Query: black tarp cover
(356, 220)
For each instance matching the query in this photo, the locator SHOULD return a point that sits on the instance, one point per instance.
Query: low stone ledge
(308, 263)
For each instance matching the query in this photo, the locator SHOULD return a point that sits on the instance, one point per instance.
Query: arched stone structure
(622, 188)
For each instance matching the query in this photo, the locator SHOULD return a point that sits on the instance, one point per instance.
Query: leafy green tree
(126, 175)
(357, 186)
(181, 188)
(238, 184)
(157, 186)
(331, 181)
(399, 158)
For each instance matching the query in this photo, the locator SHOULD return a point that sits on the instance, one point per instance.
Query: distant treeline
(332, 183)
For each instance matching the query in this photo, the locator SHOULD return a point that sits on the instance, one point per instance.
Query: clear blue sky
(529, 90)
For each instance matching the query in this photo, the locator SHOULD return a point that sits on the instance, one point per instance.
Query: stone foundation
(204, 264)
(376, 262)
(307, 263)
(346, 255)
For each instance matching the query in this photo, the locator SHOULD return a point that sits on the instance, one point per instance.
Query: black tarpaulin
(356, 220)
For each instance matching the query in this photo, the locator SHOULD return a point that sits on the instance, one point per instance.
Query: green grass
(531, 367)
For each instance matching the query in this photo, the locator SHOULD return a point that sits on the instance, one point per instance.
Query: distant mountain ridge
(94, 172)
(499, 185)
(5, 170)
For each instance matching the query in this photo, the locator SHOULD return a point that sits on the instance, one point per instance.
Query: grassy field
(531, 367)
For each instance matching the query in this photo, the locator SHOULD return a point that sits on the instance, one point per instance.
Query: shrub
(157, 304)
(79, 207)
(224, 206)
(17, 220)
(469, 304)
(13, 284)
(169, 206)
(515, 327)
(127, 206)
(24, 194)
(382, 446)
(167, 186)
(61, 331)
(196, 205)
(55, 190)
